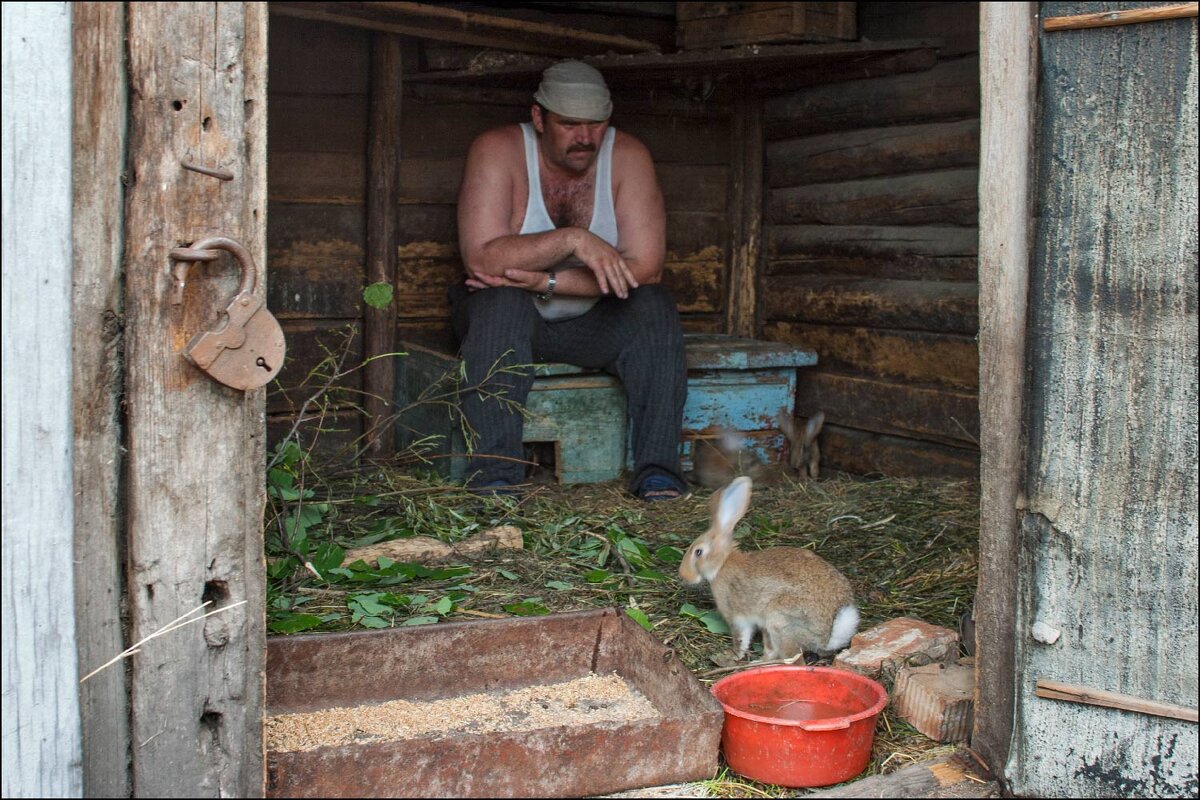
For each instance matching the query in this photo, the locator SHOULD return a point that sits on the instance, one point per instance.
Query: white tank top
(537, 219)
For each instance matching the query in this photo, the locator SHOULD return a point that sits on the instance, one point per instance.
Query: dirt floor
(909, 548)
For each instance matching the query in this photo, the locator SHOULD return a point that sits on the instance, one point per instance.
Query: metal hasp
(247, 351)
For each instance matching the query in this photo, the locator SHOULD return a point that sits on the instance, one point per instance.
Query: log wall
(317, 184)
(870, 235)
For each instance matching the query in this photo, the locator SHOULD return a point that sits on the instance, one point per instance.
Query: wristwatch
(546, 295)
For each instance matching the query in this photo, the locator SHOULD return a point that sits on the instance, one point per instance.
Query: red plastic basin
(798, 726)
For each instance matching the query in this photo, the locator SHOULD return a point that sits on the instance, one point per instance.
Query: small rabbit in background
(718, 460)
(800, 601)
(804, 454)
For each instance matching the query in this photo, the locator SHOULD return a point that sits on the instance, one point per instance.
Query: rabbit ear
(731, 505)
(814, 426)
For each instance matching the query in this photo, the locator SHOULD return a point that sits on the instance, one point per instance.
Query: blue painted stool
(739, 384)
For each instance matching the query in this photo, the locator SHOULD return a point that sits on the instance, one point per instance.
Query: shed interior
(820, 193)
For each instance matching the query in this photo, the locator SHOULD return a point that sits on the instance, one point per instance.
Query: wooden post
(195, 490)
(101, 108)
(1008, 43)
(383, 187)
(40, 681)
(745, 203)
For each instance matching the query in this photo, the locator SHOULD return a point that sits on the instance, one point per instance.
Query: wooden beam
(854, 68)
(745, 204)
(1008, 78)
(1099, 697)
(41, 718)
(956, 775)
(464, 27)
(383, 187)
(196, 449)
(101, 106)
(1125, 16)
(652, 66)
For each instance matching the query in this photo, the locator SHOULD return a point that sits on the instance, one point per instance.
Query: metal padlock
(247, 350)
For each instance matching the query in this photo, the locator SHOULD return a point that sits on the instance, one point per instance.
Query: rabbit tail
(845, 625)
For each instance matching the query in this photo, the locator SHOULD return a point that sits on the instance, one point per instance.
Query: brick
(937, 699)
(896, 643)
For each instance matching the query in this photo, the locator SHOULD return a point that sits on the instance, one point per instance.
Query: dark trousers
(639, 340)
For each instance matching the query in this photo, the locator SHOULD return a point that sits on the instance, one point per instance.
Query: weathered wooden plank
(897, 409)
(956, 24)
(948, 91)
(746, 210)
(924, 198)
(383, 192)
(705, 103)
(901, 266)
(195, 489)
(956, 775)
(693, 187)
(1007, 59)
(315, 58)
(316, 290)
(436, 334)
(465, 27)
(941, 359)
(854, 69)
(318, 349)
(761, 23)
(867, 453)
(852, 155)
(41, 719)
(659, 69)
(702, 323)
(304, 123)
(1107, 542)
(943, 241)
(1124, 16)
(343, 227)
(98, 159)
(911, 305)
(317, 178)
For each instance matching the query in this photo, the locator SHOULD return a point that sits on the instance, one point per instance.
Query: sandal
(656, 487)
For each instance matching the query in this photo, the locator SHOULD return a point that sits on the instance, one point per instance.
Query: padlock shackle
(249, 271)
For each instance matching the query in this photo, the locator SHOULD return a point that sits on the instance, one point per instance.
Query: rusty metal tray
(320, 671)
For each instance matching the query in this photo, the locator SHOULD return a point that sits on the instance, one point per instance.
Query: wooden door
(195, 449)
(1107, 558)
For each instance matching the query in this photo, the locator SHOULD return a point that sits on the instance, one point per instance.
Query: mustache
(581, 148)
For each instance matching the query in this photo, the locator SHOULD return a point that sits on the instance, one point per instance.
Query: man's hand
(606, 263)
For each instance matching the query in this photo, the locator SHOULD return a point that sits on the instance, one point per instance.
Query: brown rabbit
(804, 454)
(799, 600)
(718, 460)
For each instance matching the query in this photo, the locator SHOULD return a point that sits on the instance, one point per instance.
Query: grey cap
(575, 90)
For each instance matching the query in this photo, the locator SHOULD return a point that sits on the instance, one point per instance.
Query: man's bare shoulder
(629, 148)
(501, 141)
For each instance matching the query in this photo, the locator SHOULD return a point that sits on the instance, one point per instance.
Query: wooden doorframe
(41, 716)
(101, 91)
(1008, 80)
(170, 464)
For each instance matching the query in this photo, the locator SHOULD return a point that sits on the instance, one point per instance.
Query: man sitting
(563, 233)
